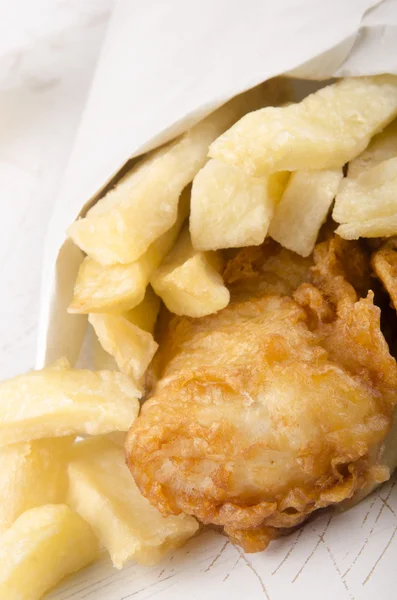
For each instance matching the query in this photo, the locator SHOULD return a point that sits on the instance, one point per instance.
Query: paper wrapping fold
(163, 67)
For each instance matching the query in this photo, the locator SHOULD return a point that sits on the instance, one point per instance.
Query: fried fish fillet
(274, 407)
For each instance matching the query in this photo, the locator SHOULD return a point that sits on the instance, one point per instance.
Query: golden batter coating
(384, 264)
(274, 407)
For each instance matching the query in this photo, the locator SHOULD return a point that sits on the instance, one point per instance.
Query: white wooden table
(48, 50)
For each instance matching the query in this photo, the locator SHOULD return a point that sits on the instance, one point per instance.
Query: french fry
(230, 209)
(60, 364)
(189, 282)
(324, 131)
(369, 197)
(303, 209)
(103, 492)
(104, 289)
(143, 205)
(125, 341)
(382, 147)
(103, 361)
(372, 228)
(44, 545)
(61, 402)
(132, 347)
(119, 288)
(32, 474)
(118, 438)
(144, 315)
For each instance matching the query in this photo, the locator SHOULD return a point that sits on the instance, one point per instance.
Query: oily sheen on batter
(277, 405)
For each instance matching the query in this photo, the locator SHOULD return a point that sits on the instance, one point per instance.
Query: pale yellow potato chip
(230, 209)
(324, 131)
(372, 228)
(144, 315)
(32, 474)
(143, 205)
(59, 402)
(117, 437)
(103, 361)
(132, 347)
(103, 492)
(44, 545)
(371, 195)
(119, 288)
(60, 364)
(277, 182)
(303, 209)
(189, 282)
(382, 147)
(116, 288)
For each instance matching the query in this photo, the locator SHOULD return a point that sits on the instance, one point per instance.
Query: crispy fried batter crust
(384, 264)
(274, 407)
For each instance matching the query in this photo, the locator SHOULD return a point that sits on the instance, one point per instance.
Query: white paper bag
(165, 65)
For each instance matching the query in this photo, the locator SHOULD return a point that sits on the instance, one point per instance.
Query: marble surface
(48, 52)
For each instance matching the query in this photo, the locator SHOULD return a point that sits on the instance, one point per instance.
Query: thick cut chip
(103, 492)
(382, 147)
(144, 315)
(59, 402)
(189, 282)
(60, 364)
(373, 228)
(277, 183)
(372, 194)
(44, 545)
(118, 438)
(118, 288)
(103, 361)
(324, 131)
(303, 208)
(143, 205)
(230, 209)
(132, 347)
(32, 474)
